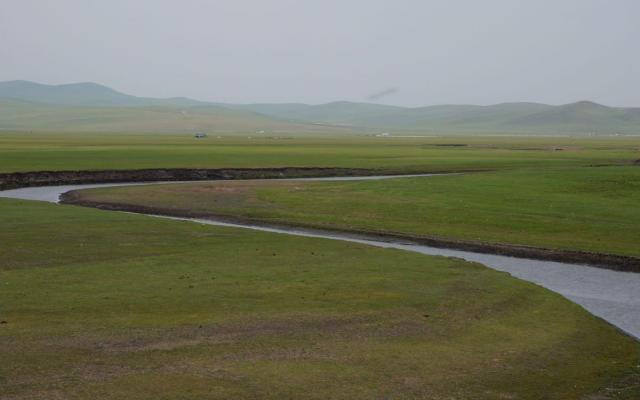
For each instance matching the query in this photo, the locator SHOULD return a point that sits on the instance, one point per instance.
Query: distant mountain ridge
(582, 117)
(84, 94)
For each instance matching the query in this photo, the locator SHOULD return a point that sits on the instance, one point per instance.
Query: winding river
(611, 295)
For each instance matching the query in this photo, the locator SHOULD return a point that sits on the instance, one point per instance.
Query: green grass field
(98, 304)
(33, 152)
(107, 305)
(589, 208)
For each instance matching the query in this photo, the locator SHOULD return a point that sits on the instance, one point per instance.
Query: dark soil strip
(607, 261)
(52, 178)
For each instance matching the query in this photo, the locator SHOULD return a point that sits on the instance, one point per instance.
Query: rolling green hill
(577, 118)
(338, 112)
(18, 115)
(91, 107)
(83, 94)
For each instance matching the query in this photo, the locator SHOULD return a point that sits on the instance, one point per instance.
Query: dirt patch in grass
(364, 326)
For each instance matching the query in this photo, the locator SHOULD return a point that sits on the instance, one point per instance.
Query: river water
(611, 295)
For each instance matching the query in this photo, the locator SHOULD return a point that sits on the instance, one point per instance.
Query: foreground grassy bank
(37, 152)
(108, 305)
(586, 209)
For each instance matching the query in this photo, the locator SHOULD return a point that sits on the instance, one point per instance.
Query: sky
(402, 52)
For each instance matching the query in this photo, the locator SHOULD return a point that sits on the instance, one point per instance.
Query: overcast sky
(314, 51)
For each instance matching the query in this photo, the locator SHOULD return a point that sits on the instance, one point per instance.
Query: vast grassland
(105, 305)
(97, 304)
(589, 208)
(32, 152)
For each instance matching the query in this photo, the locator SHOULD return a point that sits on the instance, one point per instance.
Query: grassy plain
(97, 304)
(38, 151)
(588, 208)
(107, 305)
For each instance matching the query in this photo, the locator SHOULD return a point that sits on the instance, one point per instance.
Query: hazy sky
(431, 52)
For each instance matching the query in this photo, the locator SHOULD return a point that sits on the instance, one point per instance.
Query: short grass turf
(63, 151)
(107, 305)
(589, 208)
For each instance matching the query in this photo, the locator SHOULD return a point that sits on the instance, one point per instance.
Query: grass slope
(589, 209)
(576, 118)
(339, 112)
(19, 115)
(83, 94)
(106, 305)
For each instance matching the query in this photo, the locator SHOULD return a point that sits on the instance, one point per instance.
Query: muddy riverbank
(16, 180)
